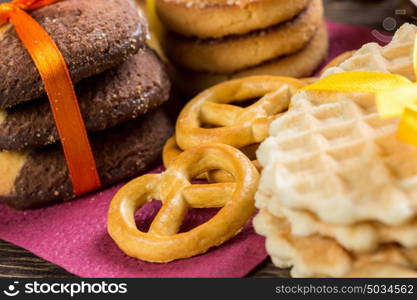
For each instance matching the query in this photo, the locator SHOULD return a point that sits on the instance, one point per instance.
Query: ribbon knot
(8, 7)
(17, 4)
(5, 10)
(58, 86)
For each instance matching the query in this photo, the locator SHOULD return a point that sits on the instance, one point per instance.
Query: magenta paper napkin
(74, 236)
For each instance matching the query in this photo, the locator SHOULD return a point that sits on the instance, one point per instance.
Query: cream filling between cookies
(3, 116)
(3, 29)
(11, 163)
(151, 40)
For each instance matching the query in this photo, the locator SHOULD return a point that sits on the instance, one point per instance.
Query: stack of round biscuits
(338, 190)
(211, 41)
(120, 84)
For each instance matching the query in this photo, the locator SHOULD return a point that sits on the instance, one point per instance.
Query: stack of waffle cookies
(338, 191)
(212, 41)
(120, 84)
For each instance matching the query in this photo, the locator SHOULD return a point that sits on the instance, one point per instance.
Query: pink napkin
(73, 235)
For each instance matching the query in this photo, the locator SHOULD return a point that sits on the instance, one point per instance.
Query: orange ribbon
(59, 88)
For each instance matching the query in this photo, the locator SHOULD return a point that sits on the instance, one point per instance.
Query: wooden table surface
(17, 262)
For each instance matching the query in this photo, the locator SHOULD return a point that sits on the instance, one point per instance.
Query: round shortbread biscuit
(189, 17)
(39, 177)
(300, 64)
(234, 53)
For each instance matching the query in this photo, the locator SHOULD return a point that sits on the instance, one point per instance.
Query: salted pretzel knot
(209, 118)
(163, 243)
(171, 151)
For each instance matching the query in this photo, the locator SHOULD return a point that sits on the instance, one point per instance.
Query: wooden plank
(17, 263)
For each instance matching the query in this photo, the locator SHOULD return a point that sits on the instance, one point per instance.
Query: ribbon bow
(396, 96)
(59, 88)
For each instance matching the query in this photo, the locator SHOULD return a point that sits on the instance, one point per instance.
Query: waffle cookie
(328, 139)
(39, 177)
(316, 256)
(300, 64)
(92, 36)
(336, 178)
(189, 17)
(131, 89)
(236, 52)
(358, 237)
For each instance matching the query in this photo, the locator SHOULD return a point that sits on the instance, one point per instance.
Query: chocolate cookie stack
(215, 40)
(119, 81)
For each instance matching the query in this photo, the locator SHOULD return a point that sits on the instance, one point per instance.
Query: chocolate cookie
(40, 177)
(300, 64)
(93, 36)
(137, 86)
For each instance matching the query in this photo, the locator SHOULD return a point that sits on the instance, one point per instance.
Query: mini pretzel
(230, 124)
(163, 243)
(171, 151)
